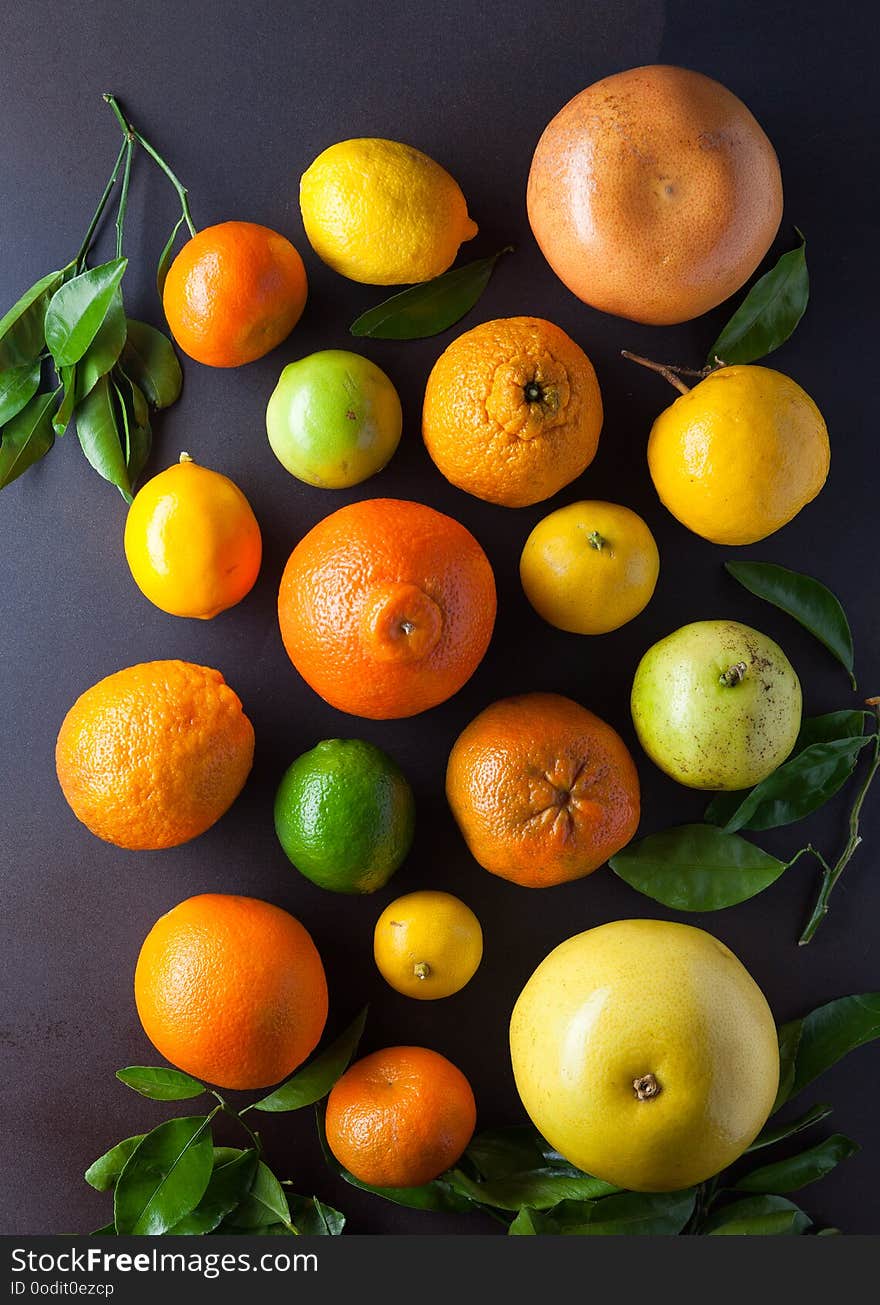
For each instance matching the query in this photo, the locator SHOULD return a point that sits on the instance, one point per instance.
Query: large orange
(400, 1117)
(232, 990)
(153, 755)
(386, 607)
(654, 194)
(542, 790)
(512, 411)
(234, 292)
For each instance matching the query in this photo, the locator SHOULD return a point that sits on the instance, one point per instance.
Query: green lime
(334, 419)
(345, 816)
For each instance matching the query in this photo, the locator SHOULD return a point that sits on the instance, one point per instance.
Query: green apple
(334, 419)
(716, 705)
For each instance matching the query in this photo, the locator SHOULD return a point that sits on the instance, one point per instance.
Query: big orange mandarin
(386, 607)
(512, 411)
(235, 291)
(400, 1117)
(232, 990)
(153, 755)
(542, 790)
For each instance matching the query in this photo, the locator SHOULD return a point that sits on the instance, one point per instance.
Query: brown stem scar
(646, 1087)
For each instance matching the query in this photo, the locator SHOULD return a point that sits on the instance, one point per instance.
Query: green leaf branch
(73, 321)
(174, 1179)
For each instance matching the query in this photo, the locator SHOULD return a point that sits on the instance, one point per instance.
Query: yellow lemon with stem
(428, 944)
(590, 567)
(192, 542)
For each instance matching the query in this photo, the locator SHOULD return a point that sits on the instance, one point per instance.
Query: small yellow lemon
(428, 945)
(589, 567)
(192, 542)
(739, 455)
(645, 1053)
(383, 213)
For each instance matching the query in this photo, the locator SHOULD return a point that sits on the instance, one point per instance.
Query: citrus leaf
(813, 605)
(769, 313)
(62, 417)
(108, 1230)
(22, 328)
(811, 1045)
(149, 359)
(645, 1214)
(164, 1178)
(312, 1218)
(264, 1203)
(27, 438)
(139, 436)
(796, 788)
(104, 350)
(798, 1170)
(228, 1186)
(769, 1136)
(18, 385)
(431, 307)
(531, 1223)
(99, 437)
(161, 1084)
(77, 309)
(166, 258)
(539, 1189)
(757, 1216)
(696, 868)
(500, 1152)
(103, 1173)
(310, 1084)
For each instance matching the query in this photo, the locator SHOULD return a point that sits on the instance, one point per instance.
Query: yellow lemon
(645, 1053)
(428, 945)
(589, 567)
(739, 455)
(192, 542)
(383, 213)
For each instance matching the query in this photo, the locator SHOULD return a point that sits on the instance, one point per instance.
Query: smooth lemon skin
(428, 945)
(192, 542)
(703, 732)
(590, 567)
(737, 457)
(383, 213)
(635, 998)
(334, 419)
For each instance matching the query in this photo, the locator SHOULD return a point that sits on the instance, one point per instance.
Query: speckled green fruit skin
(708, 734)
(345, 816)
(334, 419)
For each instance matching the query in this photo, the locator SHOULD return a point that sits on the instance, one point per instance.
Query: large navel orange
(232, 990)
(654, 194)
(543, 790)
(386, 607)
(153, 755)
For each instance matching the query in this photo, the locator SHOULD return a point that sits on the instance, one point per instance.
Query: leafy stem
(831, 873)
(237, 1115)
(123, 197)
(86, 245)
(132, 134)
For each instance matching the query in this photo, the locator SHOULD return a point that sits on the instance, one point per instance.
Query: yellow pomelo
(645, 1053)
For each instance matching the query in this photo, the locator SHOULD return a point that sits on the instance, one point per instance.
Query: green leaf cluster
(176, 1180)
(109, 370)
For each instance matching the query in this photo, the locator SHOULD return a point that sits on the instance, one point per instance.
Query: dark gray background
(242, 97)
